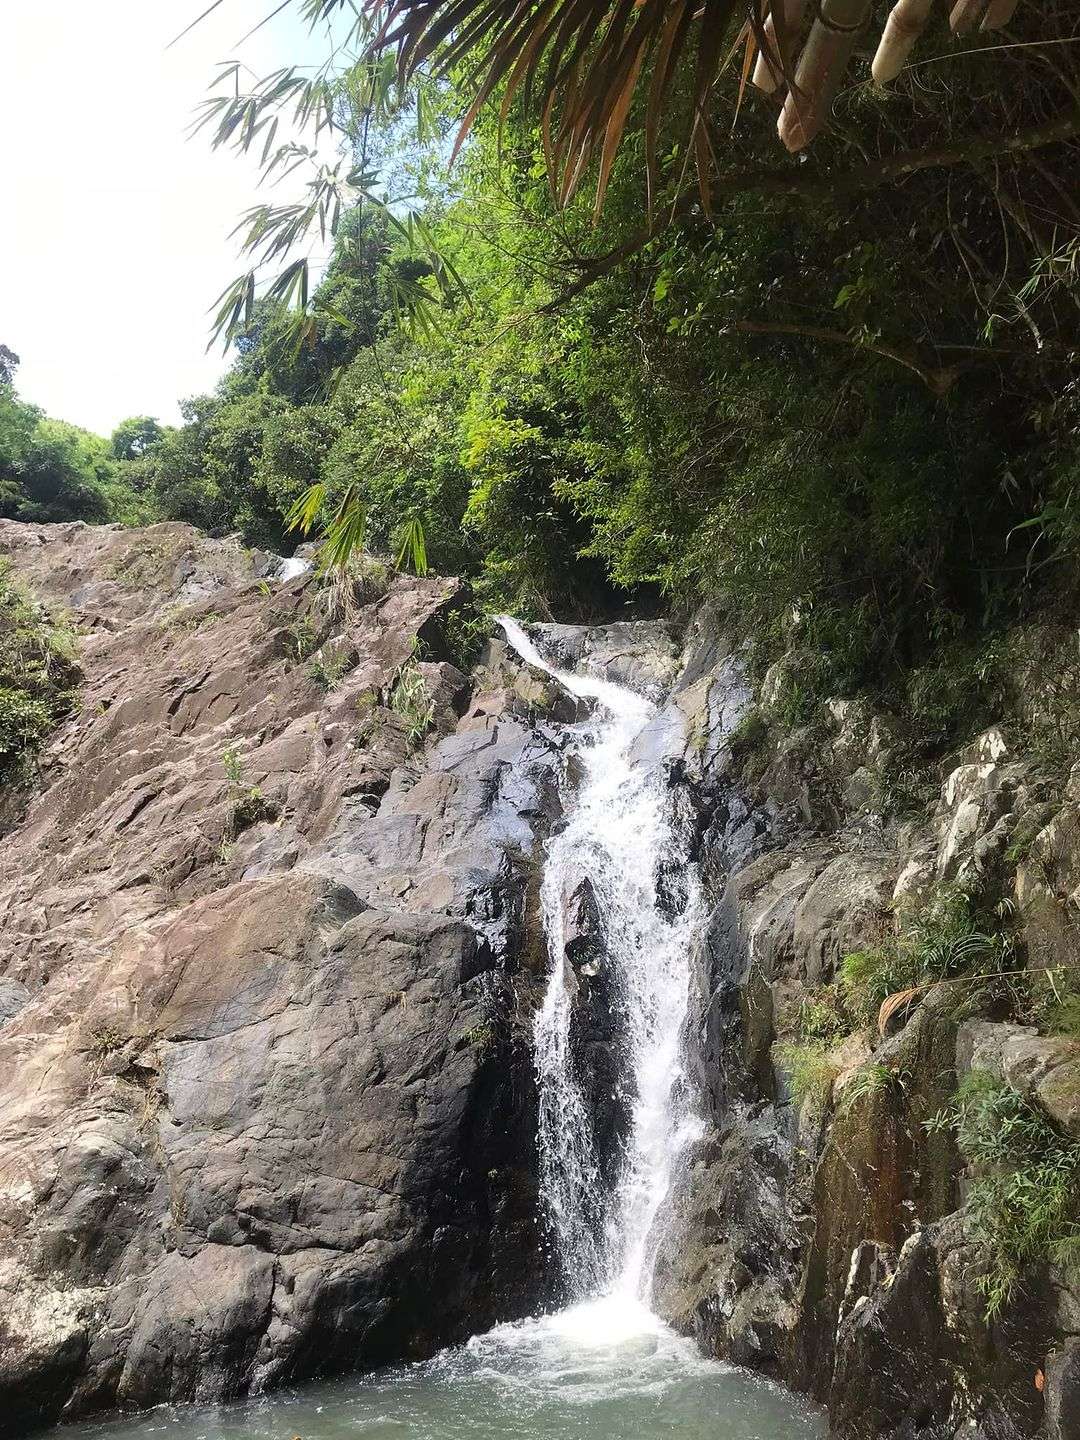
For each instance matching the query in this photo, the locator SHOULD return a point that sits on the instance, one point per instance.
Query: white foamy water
(291, 567)
(621, 835)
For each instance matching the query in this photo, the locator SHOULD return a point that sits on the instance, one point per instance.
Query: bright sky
(113, 241)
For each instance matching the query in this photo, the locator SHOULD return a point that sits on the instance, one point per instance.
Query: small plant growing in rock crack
(247, 802)
(464, 631)
(410, 699)
(480, 1037)
(870, 1080)
(809, 1070)
(822, 1016)
(808, 1063)
(38, 675)
(749, 741)
(300, 638)
(102, 1038)
(367, 709)
(749, 732)
(1023, 1204)
(232, 765)
(328, 671)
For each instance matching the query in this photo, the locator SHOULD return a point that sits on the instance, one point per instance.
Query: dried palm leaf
(895, 1002)
(582, 61)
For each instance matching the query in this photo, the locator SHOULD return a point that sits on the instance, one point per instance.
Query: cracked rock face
(264, 1112)
(818, 1233)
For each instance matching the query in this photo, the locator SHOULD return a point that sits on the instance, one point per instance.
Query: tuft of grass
(1063, 1017)
(1023, 1206)
(100, 1039)
(822, 1016)
(809, 1069)
(750, 733)
(328, 671)
(941, 940)
(369, 719)
(870, 1080)
(300, 638)
(410, 700)
(248, 804)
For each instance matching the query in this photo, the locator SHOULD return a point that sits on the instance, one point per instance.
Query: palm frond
(413, 547)
(343, 535)
(305, 512)
(580, 62)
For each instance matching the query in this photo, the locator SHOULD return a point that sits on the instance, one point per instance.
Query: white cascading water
(292, 566)
(619, 833)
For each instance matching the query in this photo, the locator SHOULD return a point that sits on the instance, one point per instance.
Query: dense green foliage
(37, 676)
(839, 394)
(845, 407)
(50, 470)
(1022, 1203)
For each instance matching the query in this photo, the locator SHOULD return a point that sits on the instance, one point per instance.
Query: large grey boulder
(263, 1112)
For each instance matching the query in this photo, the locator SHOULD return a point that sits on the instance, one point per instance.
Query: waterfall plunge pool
(602, 1370)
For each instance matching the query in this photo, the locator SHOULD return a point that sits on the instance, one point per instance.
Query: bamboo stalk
(769, 70)
(907, 21)
(964, 15)
(821, 67)
(998, 14)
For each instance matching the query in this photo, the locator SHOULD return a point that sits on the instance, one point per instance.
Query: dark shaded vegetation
(842, 395)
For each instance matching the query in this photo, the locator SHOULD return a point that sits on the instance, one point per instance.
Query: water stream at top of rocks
(291, 566)
(605, 1367)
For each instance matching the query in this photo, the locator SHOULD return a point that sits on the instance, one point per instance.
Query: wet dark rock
(582, 925)
(1062, 1391)
(264, 1090)
(818, 1234)
(642, 654)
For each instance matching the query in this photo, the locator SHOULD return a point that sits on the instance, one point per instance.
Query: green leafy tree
(9, 363)
(135, 436)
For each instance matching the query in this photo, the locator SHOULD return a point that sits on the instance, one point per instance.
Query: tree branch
(826, 187)
(940, 379)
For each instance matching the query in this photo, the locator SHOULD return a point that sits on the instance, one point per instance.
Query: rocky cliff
(265, 1109)
(271, 953)
(847, 1224)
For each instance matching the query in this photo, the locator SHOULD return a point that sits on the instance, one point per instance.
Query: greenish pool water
(602, 1370)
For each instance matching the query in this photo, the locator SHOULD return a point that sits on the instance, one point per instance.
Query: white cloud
(114, 239)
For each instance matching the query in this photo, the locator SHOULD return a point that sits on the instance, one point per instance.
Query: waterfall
(622, 835)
